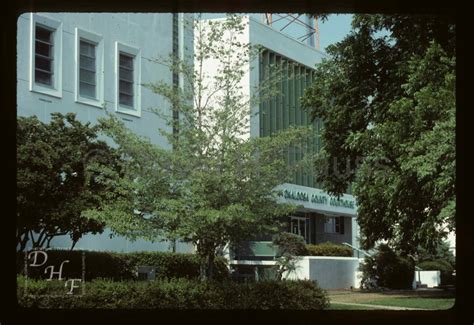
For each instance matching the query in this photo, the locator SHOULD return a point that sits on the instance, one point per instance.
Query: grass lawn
(414, 302)
(336, 306)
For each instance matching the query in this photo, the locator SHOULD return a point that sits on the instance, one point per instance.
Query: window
(329, 225)
(334, 225)
(128, 79)
(300, 226)
(46, 55)
(89, 69)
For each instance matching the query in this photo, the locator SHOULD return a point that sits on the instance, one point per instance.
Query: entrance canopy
(316, 200)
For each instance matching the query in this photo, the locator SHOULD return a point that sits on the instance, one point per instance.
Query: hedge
(391, 270)
(175, 294)
(329, 249)
(445, 268)
(122, 266)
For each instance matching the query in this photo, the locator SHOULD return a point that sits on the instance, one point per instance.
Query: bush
(178, 294)
(390, 270)
(122, 266)
(290, 244)
(445, 268)
(329, 249)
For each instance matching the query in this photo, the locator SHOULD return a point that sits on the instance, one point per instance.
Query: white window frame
(99, 62)
(56, 90)
(136, 53)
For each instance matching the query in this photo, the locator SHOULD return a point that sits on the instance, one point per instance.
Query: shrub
(289, 248)
(445, 268)
(329, 249)
(391, 270)
(179, 294)
(290, 244)
(123, 266)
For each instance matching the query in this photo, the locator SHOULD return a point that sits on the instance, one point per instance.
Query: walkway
(376, 306)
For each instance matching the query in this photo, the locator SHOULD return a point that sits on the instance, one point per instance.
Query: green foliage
(216, 186)
(329, 249)
(289, 243)
(62, 170)
(123, 266)
(180, 294)
(389, 269)
(445, 268)
(387, 98)
(442, 252)
(290, 247)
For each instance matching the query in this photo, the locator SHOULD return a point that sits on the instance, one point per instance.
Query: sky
(334, 29)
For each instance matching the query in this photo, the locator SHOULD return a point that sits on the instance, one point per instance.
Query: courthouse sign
(313, 198)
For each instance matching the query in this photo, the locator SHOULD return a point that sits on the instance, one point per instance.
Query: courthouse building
(93, 63)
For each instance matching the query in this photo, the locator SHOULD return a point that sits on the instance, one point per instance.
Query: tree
(388, 269)
(217, 185)
(442, 252)
(289, 249)
(62, 169)
(387, 98)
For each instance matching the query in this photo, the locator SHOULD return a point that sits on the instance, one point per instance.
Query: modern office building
(93, 63)
(320, 217)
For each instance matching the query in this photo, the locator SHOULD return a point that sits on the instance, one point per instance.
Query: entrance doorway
(300, 226)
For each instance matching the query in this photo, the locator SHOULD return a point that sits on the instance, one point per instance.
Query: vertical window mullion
(273, 110)
(266, 117)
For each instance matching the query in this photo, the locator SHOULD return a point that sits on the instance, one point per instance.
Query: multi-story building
(320, 217)
(93, 63)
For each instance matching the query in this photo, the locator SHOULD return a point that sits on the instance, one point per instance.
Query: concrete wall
(429, 278)
(152, 35)
(330, 272)
(210, 69)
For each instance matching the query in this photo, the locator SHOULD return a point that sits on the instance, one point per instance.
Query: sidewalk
(376, 306)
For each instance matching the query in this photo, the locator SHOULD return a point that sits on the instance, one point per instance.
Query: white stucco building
(320, 217)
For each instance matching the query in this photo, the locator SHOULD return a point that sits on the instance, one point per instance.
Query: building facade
(96, 63)
(319, 217)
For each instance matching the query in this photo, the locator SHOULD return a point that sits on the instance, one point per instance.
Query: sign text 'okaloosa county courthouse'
(317, 199)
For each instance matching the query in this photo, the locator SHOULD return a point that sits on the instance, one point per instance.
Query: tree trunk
(280, 273)
(202, 269)
(40, 241)
(73, 244)
(49, 241)
(23, 241)
(210, 266)
(206, 271)
(34, 243)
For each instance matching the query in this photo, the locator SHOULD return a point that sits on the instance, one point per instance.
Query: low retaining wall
(333, 272)
(330, 272)
(429, 278)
